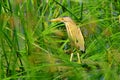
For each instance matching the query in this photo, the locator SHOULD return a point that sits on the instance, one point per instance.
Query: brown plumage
(74, 34)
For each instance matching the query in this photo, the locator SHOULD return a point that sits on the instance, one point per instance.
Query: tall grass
(32, 48)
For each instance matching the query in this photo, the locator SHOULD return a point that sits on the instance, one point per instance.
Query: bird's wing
(75, 35)
(79, 39)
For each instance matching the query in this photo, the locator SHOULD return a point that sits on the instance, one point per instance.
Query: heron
(74, 34)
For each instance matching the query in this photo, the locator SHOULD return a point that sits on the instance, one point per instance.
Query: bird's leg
(79, 61)
(71, 56)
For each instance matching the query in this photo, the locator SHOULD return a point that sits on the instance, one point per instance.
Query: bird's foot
(71, 56)
(79, 61)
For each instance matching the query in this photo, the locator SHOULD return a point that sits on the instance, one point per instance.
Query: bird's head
(62, 19)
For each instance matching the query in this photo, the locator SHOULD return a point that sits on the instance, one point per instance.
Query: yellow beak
(57, 20)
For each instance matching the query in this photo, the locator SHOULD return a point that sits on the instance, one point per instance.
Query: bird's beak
(56, 20)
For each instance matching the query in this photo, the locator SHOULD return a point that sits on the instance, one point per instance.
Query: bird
(74, 34)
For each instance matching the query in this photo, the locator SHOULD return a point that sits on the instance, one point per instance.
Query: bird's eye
(62, 18)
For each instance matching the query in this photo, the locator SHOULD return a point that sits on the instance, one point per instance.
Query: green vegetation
(32, 48)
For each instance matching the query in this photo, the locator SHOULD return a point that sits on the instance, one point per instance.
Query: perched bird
(74, 34)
